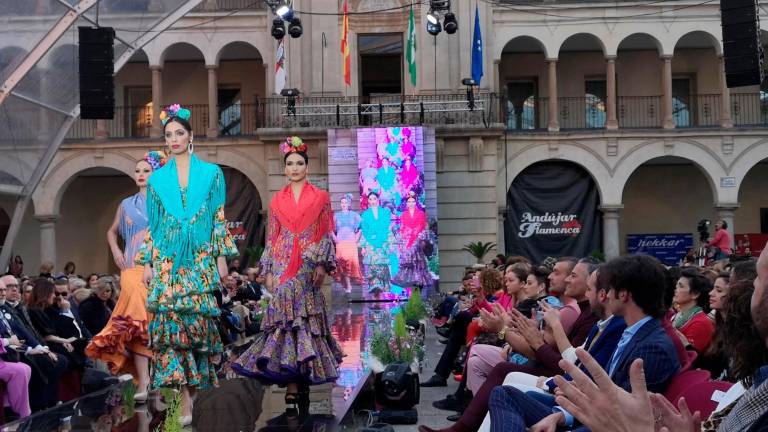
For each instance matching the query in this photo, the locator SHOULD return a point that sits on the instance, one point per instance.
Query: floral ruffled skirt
(183, 333)
(295, 344)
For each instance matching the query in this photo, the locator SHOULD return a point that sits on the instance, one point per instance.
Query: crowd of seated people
(629, 335)
(46, 322)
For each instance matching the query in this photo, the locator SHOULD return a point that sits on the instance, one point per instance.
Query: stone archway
(666, 195)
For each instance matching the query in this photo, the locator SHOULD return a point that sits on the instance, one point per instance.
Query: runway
(238, 404)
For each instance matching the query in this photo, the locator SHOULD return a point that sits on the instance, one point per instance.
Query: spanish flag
(345, 46)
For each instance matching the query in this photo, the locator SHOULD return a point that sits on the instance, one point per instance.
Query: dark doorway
(522, 105)
(381, 64)
(229, 100)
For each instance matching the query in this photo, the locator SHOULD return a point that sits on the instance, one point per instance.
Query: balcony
(637, 112)
(532, 114)
(445, 109)
(229, 5)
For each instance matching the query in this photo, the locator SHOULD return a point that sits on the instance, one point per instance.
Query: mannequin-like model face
(344, 204)
(142, 173)
(373, 201)
(177, 138)
(411, 203)
(295, 168)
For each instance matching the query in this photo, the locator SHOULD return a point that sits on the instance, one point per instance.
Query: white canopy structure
(39, 94)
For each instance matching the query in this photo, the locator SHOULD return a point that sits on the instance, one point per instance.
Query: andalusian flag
(280, 73)
(345, 47)
(410, 54)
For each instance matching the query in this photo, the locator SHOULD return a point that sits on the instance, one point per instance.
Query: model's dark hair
(372, 193)
(738, 338)
(183, 122)
(698, 284)
(725, 224)
(642, 276)
(302, 154)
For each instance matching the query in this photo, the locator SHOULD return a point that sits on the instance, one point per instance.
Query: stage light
(284, 12)
(470, 83)
(294, 28)
(278, 28)
(291, 94)
(450, 24)
(433, 28)
(433, 18)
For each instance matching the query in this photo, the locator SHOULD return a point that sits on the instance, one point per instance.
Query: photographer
(722, 241)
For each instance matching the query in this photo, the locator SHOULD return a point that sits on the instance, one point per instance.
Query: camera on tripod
(703, 229)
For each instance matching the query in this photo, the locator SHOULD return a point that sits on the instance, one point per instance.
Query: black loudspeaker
(742, 51)
(97, 72)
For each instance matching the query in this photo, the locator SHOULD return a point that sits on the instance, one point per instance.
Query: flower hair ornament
(348, 196)
(174, 110)
(156, 159)
(293, 144)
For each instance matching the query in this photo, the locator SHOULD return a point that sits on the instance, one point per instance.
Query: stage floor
(238, 404)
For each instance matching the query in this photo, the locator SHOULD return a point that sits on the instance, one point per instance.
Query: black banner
(552, 211)
(242, 210)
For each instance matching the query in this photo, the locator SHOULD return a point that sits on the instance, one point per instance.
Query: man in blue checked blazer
(634, 286)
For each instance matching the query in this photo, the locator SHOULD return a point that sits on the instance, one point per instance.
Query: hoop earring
(191, 147)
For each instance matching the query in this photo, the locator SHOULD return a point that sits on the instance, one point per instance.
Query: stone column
(610, 90)
(611, 241)
(213, 102)
(47, 237)
(725, 211)
(157, 101)
(101, 130)
(725, 96)
(666, 84)
(554, 112)
(500, 240)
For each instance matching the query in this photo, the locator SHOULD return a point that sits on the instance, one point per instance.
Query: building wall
(466, 205)
(87, 210)
(665, 199)
(752, 198)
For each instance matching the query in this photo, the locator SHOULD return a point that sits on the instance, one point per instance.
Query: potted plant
(478, 249)
(398, 347)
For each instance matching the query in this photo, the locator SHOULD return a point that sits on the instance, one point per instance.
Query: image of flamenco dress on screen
(377, 244)
(123, 343)
(414, 235)
(295, 347)
(346, 237)
(186, 244)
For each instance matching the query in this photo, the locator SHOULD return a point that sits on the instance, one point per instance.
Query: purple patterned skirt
(295, 344)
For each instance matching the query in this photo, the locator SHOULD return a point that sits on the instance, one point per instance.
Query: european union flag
(477, 51)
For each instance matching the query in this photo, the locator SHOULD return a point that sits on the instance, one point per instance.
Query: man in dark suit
(635, 287)
(46, 365)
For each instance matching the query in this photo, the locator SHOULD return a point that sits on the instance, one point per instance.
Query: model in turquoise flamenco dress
(184, 258)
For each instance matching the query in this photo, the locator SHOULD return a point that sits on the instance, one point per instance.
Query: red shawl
(298, 217)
